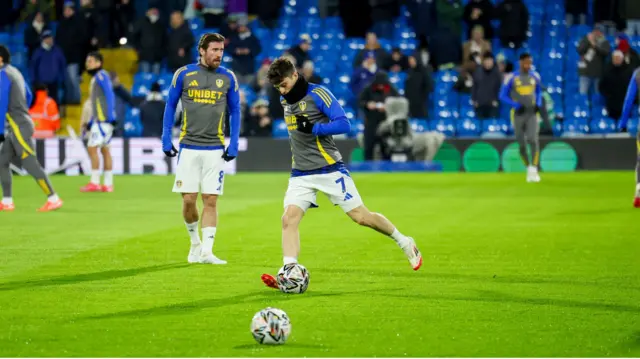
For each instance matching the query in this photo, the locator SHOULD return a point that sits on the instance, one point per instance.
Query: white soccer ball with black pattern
(293, 278)
(271, 326)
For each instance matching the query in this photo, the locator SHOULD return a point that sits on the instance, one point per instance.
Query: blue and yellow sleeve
(538, 90)
(327, 103)
(505, 93)
(175, 91)
(233, 104)
(629, 99)
(107, 88)
(5, 88)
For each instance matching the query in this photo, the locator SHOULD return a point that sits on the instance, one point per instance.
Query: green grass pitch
(510, 269)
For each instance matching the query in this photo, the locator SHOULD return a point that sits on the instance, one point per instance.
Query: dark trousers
(213, 20)
(486, 111)
(371, 139)
(53, 91)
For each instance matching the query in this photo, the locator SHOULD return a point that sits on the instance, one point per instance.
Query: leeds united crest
(219, 82)
(302, 105)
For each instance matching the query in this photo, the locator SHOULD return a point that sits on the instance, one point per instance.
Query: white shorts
(100, 134)
(337, 186)
(199, 171)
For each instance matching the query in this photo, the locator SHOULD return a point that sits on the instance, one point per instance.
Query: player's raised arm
(327, 103)
(233, 103)
(505, 93)
(629, 99)
(107, 88)
(538, 90)
(175, 90)
(5, 88)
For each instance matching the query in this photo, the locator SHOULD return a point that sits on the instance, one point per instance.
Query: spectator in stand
(514, 23)
(48, 65)
(422, 54)
(308, 71)
(151, 112)
(91, 20)
(180, 42)
(372, 45)
(593, 50)
(449, 14)
(267, 11)
(44, 7)
(465, 79)
(612, 86)
(70, 38)
(607, 14)
(259, 123)
(383, 12)
(123, 14)
(479, 13)
(397, 62)
(476, 47)
(237, 7)
(372, 101)
(44, 112)
(446, 48)
(213, 12)
(260, 84)
(362, 76)
(301, 51)
(150, 40)
(487, 81)
(229, 28)
(631, 11)
(576, 11)
(33, 34)
(244, 47)
(123, 99)
(422, 16)
(417, 86)
(103, 31)
(631, 57)
(505, 66)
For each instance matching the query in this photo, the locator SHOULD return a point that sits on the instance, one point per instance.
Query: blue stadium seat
(496, 127)
(419, 125)
(632, 126)
(575, 127)
(603, 125)
(357, 127)
(445, 126)
(468, 127)
(279, 129)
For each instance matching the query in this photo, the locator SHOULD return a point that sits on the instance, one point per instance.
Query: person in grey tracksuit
(17, 145)
(523, 93)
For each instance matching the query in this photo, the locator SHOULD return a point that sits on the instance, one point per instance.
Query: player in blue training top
(313, 115)
(523, 93)
(100, 127)
(208, 92)
(16, 145)
(632, 95)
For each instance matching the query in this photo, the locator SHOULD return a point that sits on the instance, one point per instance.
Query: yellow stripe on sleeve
(324, 153)
(176, 75)
(99, 110)
(323, 96)
(21, 141)
(183, 131)
(220, 133)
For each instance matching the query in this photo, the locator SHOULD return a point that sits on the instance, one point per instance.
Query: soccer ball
(270, 326)
(293, 278)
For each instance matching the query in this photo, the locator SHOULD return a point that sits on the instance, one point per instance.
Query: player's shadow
(266, 296)
(257, 346)
(498, 297)
(87, 277)
(424, 275)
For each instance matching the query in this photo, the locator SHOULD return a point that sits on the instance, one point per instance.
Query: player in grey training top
(313, 116)
(523, 92)
(17, 145)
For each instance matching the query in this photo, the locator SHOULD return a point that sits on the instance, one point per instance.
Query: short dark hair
(5, 54)
(279, 70)
(208, 38)
(524, 56)
(96, 55)
(40, 87)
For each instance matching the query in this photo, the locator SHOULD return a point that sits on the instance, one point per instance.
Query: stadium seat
(468, 127)
(575, 127)
(419, 125)
(445, 126)
(279, 129)
(632, 126)
(357, 127)
(495, 128)
(603, 125)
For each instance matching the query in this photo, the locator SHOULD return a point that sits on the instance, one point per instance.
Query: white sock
(53, 198)
(108, 178)
(400, 238)
(7, 200)
(95, 176)
(192, 228)
(208, 237)
(288, 260)
(637, 190)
